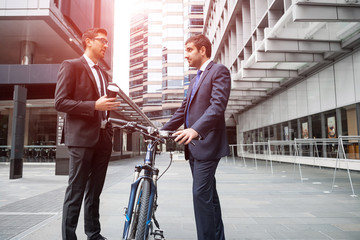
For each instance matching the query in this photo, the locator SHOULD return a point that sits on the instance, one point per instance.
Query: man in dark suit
(81, 94)
(202, 113)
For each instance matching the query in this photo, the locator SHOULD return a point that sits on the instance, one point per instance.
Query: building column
(309, 118)
(323, 133)
(264, 139)
(358, 121)
(17, 133)
(27, 50)
(299, 133)
(282, 138)
(290, 137)
(258, 140)
(338, 122)
(268, 139)
(275, 138)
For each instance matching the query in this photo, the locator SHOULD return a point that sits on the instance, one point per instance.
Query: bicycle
(140, 213)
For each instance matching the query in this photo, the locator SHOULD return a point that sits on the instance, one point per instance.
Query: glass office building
(295, 69)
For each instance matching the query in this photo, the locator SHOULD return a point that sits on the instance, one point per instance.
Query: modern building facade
(295, 68)
(158, 72)
(36, 36)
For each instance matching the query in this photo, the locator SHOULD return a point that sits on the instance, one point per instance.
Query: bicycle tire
(135, 218)
(144, 207)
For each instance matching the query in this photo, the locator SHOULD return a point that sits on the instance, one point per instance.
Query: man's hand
(185, 136)
(106, 104)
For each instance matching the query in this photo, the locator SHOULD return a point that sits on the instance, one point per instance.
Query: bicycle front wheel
(144, 207)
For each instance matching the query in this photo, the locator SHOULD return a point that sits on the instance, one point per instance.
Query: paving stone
(256, 204)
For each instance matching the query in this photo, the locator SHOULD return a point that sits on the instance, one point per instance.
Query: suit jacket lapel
(190, 89)
(202, 77)
(91, 75)
(188, 95)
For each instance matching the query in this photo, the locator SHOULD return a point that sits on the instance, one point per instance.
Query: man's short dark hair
(199, 41)
(92, 33)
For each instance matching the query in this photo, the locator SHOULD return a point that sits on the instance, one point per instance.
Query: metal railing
(32, 153)
(325, 152)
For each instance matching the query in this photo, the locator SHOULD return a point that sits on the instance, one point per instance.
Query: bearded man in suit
(81, 94)
(202, 113)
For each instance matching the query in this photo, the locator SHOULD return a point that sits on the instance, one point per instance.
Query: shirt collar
(203, 67)
(89, 61)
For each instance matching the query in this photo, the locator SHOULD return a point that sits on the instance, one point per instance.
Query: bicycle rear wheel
(144, 207)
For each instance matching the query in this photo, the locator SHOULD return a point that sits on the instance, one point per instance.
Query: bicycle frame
(143, 191)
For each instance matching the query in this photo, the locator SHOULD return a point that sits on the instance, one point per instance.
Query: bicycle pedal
(158, 234)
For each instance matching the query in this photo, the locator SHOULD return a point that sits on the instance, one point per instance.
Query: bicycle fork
(134, 199)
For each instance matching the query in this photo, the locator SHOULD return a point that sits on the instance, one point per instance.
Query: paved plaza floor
(256, 202)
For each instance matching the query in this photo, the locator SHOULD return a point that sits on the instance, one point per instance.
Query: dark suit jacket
(206, 114)
(76, 93)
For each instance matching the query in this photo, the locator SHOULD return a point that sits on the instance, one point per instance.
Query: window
(172, 84)
(173, 7)
(136, 94)
(152, 101)
(175, 45)
(195, 9)
(135, 72)
(196, 23)
(135, 83)
(42, 126)
(175, 83)
(173, 19)
(4, 119)
(154, 40)
(154, 52)
(173, 97)
(152, 89)
(155, 17)
(173, 32)
(154, 64)
(154, 76)
(173, 58)
(136, 61)
(136, 50)
(136, 39)
(175, 71)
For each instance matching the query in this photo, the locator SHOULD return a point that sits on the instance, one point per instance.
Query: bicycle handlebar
(149, 131)
(118, 121)
(130, 124)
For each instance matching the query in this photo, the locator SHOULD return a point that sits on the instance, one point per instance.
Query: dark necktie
(102, 93)
(198, 74)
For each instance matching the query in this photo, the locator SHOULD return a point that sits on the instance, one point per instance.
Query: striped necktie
(102, 93)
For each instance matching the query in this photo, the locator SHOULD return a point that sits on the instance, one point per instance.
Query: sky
(122, 44)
